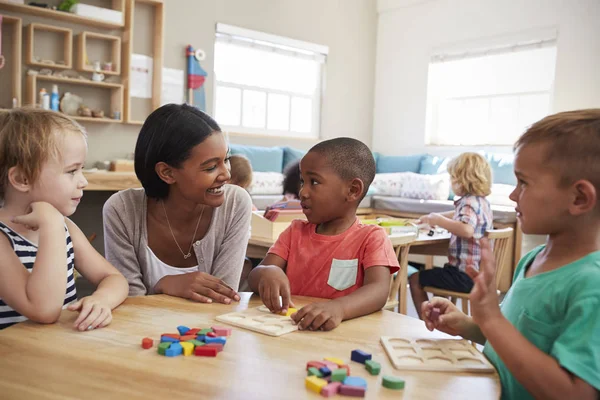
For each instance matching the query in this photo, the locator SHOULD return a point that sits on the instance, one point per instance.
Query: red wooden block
(173, 335)
(206, 351)
(331, 389)
(193, 331)
(187, 337)
(353, 391)
(316, 364)
(211, 334)
(147, 343)
(217, 346)
(221, 331)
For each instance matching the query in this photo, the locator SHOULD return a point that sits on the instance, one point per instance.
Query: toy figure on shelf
(196, 78)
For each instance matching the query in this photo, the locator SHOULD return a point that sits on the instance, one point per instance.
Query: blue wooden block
(182, 329)
(325, 371)
(355, 381)
(168, 339)
(174, 351)
(218, 339)
(201, 338)
(360, 356)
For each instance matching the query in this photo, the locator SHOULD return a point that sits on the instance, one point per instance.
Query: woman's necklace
(189, 253)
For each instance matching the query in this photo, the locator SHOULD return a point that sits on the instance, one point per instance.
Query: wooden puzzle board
(456, 355)
(260, 320)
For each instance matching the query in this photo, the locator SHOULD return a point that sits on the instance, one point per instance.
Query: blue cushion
(263, 159)
(290, 155)
(502, 168)
(432, 165)
(387, 164)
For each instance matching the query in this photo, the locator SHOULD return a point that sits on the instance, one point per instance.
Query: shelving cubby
(87, 56)
(46, 48)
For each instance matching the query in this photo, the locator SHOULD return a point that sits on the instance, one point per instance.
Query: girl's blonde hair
(28, 138)
(473, 173)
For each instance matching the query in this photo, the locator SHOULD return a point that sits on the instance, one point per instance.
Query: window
(266, 84)
(489, 97)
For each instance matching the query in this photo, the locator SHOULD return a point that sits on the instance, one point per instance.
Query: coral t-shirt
(332, 266)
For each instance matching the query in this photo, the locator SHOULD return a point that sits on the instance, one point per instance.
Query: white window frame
(285, 45)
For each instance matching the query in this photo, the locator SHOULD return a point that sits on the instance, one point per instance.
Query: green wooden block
(373, 367)
(204, 331)
(195, 342)
(162, 347)
(338, 375)
(315, 372)
(392, 382)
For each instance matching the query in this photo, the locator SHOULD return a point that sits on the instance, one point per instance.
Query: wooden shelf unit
(116, 101)
(30, 45)
(82, 39)
(17, 28)
(58, 15)
(111, 181)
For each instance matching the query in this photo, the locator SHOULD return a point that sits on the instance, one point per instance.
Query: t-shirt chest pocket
(540, 333)
(343, 274)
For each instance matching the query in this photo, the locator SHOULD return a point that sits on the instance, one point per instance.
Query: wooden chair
(398, 281)
(501, 242)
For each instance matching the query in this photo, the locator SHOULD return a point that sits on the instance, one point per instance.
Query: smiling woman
(185, 208)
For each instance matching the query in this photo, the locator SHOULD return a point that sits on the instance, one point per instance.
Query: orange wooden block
(172, 335)
(187, 337)
(147, 343)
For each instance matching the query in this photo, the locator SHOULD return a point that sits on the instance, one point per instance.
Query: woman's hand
(197, 286)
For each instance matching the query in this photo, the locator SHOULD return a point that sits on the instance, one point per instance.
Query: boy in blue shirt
(545, 338)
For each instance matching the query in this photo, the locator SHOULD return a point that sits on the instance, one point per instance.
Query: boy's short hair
(349, 158)
(241, 171)
(572, 140)
(29, 137)
(473, 173)
(291, 179)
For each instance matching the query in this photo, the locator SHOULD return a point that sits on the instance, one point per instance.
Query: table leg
(403, 278)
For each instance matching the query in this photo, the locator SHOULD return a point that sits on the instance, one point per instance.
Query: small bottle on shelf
(54, 102)
(44, 99)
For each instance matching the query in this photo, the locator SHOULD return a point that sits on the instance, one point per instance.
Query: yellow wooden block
(188, 348)
(315, 384)
(334, 360)
(290, 311)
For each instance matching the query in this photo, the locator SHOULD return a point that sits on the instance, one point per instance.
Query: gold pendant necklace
(189, 253)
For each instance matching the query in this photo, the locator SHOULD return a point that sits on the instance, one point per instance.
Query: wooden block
(162, 347)
(392, 382)
(206, 351)
(312, 371)
(188, 348)
(316, 364)
(334, 360)
(435, 314)
(170, 339)
(260, 321)
(373, 367)
(330, 365)
(211, 334)
(290, 311)
(196, 343)
(182, 329)
(205, 331)
(352, 391)
(185, 338)
(217, 346)
(355, 381)
(331, 389)
(315, 384)
(325, 371)
(221, 331)
(347, 368)
(339, 375)
(174, 350)
(360, 356)
(218, 339)
(202, 338)
(147, 343)
(193, 331)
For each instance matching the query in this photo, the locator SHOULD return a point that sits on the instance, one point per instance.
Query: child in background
(471, 178)
(42, 154)
(291, 181)
(241, 172)
(332, 255)
(545, 338)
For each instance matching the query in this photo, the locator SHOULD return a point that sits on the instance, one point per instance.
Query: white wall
(408, 30)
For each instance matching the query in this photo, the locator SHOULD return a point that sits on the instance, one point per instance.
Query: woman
(185, 233)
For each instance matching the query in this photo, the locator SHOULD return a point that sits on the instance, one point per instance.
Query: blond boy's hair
(28, 138)
(572, 144)
(473, 173)
(241, 171)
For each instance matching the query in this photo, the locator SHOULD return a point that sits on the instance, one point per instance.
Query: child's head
(558, 173)
(241, 171)
(470, 173)
(42, 154)
(336, 175)
(291, 179)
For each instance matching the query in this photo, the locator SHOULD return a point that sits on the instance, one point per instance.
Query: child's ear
(18, 180)
(164, 172)
(355, 189)
(586, 197)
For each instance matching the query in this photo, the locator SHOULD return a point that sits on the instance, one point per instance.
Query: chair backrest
(501, 239)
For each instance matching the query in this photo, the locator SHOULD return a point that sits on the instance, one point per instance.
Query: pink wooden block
(353, 391)
(316, 364)
(221, 331)
(331, 389)
(331, 365)
(434, 314)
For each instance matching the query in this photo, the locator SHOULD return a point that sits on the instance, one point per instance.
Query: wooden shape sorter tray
(260, 320)
(456, 355)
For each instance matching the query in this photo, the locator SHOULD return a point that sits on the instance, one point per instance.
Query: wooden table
(53, 361)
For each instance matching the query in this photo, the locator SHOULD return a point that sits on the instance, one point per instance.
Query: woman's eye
(313, 182)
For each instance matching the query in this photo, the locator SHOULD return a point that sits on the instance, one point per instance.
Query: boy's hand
(93, 313)
(323, 316)
(274, 290)
(483, 297)
(40, 214)
(432, 219)
(450, 319)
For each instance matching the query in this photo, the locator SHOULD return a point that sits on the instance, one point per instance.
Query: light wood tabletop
(54, 361)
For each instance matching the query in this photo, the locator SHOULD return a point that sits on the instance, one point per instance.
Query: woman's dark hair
(291, 179)
(168, 136)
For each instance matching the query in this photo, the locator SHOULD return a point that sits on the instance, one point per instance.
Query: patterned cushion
(389, 184)
(266, 183)
(413, 186)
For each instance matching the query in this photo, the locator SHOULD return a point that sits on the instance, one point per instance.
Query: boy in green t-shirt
(545, 338)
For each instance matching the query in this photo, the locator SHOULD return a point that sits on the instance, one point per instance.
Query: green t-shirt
(559, 312)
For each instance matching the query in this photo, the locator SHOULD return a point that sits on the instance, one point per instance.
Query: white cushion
(412, 185)
(500, 193)
(266, 183)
